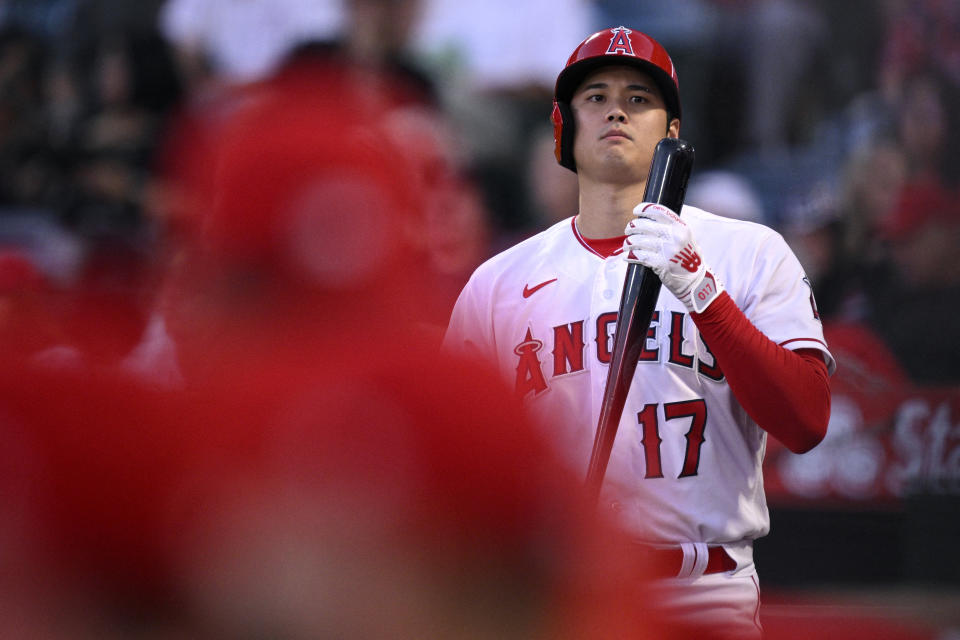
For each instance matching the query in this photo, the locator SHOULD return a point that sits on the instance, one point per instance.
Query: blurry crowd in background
(835, 123)
(246, 201)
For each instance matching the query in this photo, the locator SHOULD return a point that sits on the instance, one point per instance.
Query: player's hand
(658, 238)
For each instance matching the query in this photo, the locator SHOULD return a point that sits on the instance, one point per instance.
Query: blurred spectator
(923, 128)
(873, 178)
(920, 35)
(913, 308)
(485, 52)
(379, 34)
(133, 92)
(240, 41)
(814, 230)
(843, 227)
(727, 194)
(925, 214)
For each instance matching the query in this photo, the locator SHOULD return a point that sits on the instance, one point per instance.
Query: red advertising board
(887, 437)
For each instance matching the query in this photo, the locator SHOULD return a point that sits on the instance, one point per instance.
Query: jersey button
(608, 294)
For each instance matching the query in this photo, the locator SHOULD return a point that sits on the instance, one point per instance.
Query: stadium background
(834, 122)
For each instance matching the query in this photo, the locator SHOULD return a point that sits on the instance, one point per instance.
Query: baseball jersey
(686, 461)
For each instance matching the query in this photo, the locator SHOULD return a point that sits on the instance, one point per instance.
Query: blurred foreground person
(322, 472)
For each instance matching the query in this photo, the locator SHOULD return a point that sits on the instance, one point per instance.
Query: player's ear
(673, 128)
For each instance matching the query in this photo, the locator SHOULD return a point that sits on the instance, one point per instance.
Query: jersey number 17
(648, 419)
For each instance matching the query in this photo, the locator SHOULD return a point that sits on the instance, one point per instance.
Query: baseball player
(735, 350)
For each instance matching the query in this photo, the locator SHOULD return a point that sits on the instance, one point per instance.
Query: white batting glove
(658, 238)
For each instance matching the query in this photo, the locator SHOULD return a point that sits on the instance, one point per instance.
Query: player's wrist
(704, 291)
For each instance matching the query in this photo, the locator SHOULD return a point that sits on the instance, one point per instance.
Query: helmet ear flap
(563, 132)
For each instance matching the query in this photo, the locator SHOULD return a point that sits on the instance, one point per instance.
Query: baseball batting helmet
(619, 45)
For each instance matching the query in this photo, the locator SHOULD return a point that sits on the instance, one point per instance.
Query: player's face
(620, 116)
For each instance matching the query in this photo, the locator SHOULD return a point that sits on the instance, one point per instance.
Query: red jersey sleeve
(787, 393)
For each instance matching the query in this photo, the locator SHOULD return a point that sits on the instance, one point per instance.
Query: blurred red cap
(303, 180)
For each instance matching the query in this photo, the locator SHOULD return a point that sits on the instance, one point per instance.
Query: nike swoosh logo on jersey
(529, 291)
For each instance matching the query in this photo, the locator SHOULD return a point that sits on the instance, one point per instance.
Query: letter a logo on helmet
(620, 42)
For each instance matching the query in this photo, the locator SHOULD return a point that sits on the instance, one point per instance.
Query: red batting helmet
(619, 45)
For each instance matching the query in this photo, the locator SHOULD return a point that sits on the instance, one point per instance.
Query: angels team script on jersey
(537, 366)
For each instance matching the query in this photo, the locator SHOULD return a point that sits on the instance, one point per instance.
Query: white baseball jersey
(686, 462)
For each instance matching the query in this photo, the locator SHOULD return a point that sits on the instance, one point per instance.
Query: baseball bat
(666, 185)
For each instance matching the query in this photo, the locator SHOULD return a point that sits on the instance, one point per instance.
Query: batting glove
(658, 238)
